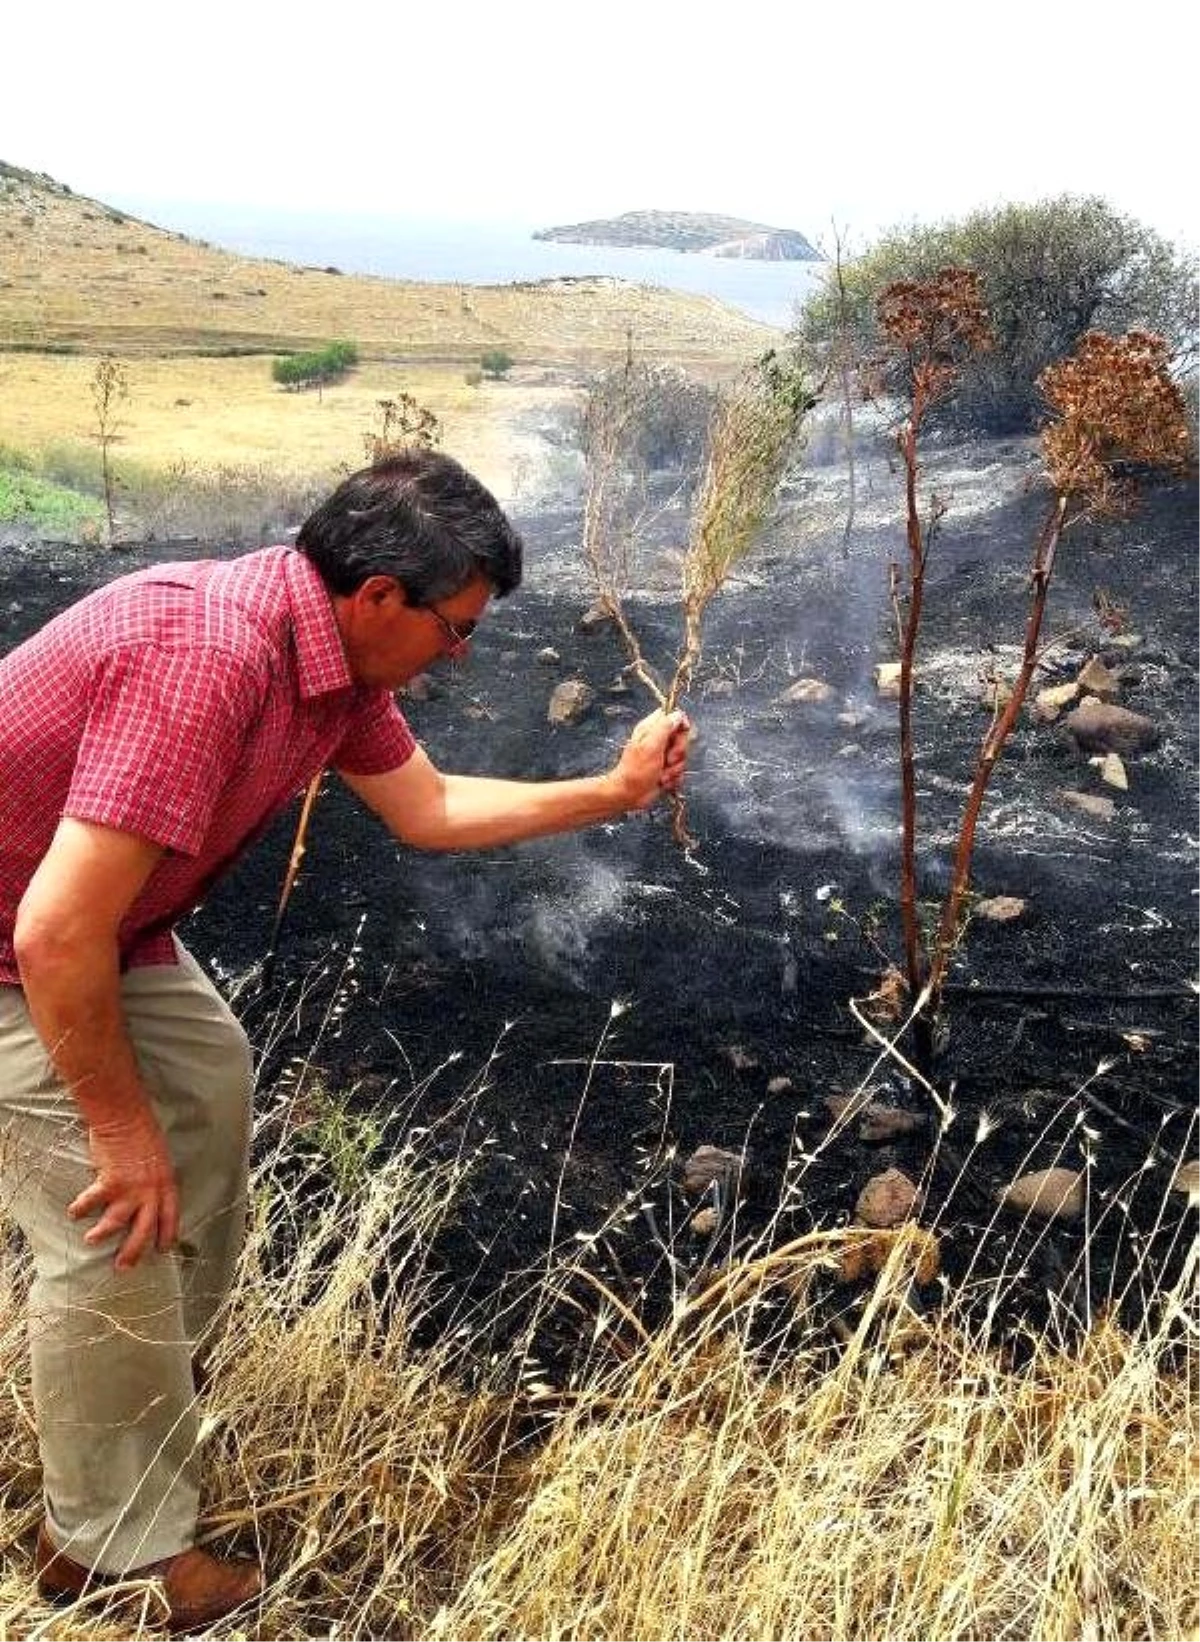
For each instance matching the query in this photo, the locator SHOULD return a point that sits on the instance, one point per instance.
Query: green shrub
(308, 370)
(1050, 272)
(496, 362)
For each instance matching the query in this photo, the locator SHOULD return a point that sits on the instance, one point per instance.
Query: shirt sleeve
(164, 733)
(378, 738)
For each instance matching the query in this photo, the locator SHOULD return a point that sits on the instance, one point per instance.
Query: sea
(477, 253)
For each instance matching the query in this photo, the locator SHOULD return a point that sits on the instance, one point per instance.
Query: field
(204, 414)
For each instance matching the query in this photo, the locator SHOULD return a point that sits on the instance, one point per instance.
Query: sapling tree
(110, 389)
(1114, 410)
(752, 437)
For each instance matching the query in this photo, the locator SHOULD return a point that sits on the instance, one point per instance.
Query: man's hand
(654, 759)
(134, 1188)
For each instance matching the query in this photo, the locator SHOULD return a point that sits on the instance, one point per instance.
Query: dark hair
(418, 516)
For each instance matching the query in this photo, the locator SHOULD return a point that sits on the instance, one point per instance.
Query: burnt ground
(576, 1015)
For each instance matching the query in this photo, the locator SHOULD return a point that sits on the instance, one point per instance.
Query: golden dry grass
(76, 273)
(209, 413)
(906, 1484)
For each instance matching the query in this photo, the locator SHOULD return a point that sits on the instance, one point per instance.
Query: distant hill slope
(689, 231)
(78, 274)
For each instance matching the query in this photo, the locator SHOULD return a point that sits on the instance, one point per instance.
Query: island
(693, 231)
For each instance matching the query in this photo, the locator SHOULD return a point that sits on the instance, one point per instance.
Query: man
(147, 736)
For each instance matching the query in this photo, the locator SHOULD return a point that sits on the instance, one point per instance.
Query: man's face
(388, 640)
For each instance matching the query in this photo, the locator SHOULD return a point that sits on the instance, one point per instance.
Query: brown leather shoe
(200, 1589)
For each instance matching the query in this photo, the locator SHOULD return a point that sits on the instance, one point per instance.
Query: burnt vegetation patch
(576, 1017)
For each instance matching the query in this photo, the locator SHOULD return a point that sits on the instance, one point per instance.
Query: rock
(887, 1199)
(614, 709)
(709, 1163)
(569, 701)
(619, 686)
(887, 680)
(719, 687)
(851, 720)
(1099, 727)
(593, 619)
(888, 1122)
(804, 691)
(1125, 642)
(995, 694)
(741, 1059)
(1051, 701)
(1054, 1194)
(704, 1222)
(845, 1107)
(1186, 1179)
(549, 657)
(1000, 909)
(420, 687)
(1097, 680)
(1112, 772)
(780, 1086)
(850, 750)
(1103, 809)
(868, 1255)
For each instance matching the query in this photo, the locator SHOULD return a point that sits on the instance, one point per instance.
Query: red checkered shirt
(188, 704)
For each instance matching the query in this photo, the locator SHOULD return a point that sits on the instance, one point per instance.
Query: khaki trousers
(117, 1416)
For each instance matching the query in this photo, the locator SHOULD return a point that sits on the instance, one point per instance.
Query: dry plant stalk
(751, 439)
(1116, 410)
(932, 323)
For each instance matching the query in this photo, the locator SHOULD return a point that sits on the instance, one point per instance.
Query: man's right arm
(66, 941)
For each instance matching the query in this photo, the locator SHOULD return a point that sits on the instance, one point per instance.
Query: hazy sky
(524, 110)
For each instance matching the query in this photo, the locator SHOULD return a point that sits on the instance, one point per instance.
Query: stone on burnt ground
(719, 687)
(593, 619)
(570, 701)
(804, 692)
(887, 1199)
(1099, 727)
(876, 1120)
(1000, 909)
(780, 1086)
(1095, 679)
(708, 1163)
(549, 656)
(995, 694)
(1186, 1179)
(1101, 809)
(1053, 1194)
(1112, 771)
(887, 680)
(1050, 702)
(704, 1222)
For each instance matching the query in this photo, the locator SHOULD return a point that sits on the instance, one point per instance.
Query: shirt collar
(321, 663)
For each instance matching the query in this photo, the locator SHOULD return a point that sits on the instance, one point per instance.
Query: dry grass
(194, 415)
(77, 273)
(901, 1480)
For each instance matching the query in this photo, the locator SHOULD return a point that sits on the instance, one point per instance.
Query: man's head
(411, 551)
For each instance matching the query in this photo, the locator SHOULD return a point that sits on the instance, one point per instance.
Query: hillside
(76, 274)
(689, 231)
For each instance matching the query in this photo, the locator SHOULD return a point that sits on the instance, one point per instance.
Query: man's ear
(379, 590)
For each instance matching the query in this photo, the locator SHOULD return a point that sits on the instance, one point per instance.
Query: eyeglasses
(457, 638)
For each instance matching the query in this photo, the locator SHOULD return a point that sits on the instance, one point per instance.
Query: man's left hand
(654, 759)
